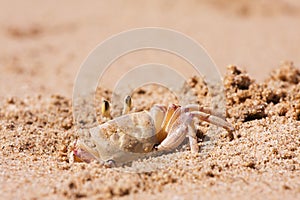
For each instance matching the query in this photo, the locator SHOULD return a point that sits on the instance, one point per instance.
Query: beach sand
(43, 45)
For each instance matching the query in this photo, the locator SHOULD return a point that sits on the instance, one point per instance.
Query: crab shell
(123, 139)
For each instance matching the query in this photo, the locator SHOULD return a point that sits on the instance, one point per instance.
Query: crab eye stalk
(127, 105)
(105, 109)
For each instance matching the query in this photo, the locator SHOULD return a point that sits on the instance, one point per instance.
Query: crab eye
(105, 109)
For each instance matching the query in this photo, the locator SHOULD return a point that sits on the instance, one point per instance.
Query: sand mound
(261, 160)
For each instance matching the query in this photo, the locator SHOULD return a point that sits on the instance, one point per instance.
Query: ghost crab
(132, 135)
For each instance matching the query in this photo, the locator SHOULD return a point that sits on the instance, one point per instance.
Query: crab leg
(173, 140)
(179, 131)
(162, 134)
(193, 138)
(186, 109)
(157, 113)
(195, 108)
(181, 124)
(213, 120)
(207, 110)
(173, 119)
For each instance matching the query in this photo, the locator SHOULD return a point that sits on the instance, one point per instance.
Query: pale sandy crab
(134, 135)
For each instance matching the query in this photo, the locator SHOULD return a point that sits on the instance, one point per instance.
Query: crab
(134, 135)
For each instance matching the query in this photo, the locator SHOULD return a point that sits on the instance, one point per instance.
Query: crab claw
(80, 153)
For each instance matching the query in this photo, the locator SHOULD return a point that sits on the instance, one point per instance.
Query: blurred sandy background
(43, 43)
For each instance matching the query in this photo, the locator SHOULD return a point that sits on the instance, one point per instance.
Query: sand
(261, 160)
(43, 45)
